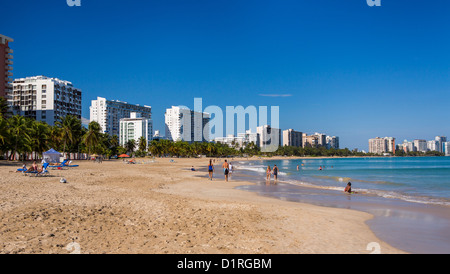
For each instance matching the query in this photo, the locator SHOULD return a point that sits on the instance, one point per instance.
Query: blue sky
(349, 69)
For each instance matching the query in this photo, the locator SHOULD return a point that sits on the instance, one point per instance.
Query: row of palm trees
(23, 136)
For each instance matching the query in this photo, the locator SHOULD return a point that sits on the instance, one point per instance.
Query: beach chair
(60, 166)
(44, 171)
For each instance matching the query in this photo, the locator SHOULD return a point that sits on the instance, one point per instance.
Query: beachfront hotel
(292, 138)
(134, 128)
(183, 124)
(249, 137)
(5, 66)
(45, 99)
(109, 112)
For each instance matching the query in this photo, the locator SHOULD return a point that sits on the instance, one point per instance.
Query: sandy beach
(164, 208)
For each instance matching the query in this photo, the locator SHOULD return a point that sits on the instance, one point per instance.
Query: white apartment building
(231, 141)
(433, 145)
(332, 142)
(134, 128)
(269, 138)
(446, 148)
(45, 99)
(292, 138)
(382, 145)
(420, 145)
(109, 112)
(441, 140)
(183, 124)
(250, 137)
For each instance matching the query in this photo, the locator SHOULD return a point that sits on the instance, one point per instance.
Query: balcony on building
(9, 56)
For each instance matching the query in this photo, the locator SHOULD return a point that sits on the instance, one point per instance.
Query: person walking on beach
(275, 173)
(230, 170)
(226, 170)
(268, 173)
(210, 169)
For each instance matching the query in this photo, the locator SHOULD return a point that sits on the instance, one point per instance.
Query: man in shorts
(226, 170)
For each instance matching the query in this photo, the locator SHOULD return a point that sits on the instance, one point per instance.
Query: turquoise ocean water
(408, 197)
(414, 179)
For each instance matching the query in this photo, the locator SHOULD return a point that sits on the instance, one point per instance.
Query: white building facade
(134, 128)
(109, 112)
(183, 124)
(45, 99)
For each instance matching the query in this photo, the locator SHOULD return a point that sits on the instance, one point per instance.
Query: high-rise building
(420, 145)
(382, 145)
(183, 124)
(292, 138)
(310, 140)
(5, 66)
(109, 112)
(432, 145)
(134, 128)
(332, 142)
(269, 138)
(441, 140)
(321, 139)
(446, 148)
(45, 99)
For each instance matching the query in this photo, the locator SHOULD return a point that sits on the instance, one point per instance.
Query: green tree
(92, 137)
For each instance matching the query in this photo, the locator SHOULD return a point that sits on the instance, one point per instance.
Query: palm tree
(130, 146)
(142, 144)
(70, 131)
(3, 107)
(40, 140)
(19, 133)
(92, 136)
(4, 131)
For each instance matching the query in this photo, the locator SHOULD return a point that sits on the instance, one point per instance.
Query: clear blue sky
(351, 70)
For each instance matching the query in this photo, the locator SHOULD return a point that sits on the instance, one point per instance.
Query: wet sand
(164, 208)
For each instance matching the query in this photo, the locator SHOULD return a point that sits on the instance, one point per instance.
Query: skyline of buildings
(49, 99)
(387, 145)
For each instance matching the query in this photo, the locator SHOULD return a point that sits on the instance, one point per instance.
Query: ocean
(414, 192)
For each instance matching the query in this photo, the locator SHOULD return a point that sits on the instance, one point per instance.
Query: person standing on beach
(268, 172)
(226, 170)
(230, 170)
(275, 173)
(210, 169)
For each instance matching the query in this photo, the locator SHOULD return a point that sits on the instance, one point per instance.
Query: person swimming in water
(348, 189)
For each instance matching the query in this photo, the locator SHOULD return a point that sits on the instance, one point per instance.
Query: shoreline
(164, 208)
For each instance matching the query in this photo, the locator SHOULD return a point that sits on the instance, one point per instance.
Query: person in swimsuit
(226, 170)
(268, 173)
(275, 173)
(210, 169)
(348, 189)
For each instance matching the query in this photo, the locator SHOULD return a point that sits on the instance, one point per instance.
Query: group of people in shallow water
(228, 170)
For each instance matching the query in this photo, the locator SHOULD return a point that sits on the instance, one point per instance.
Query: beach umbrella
(124, 156)
(94, 155)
